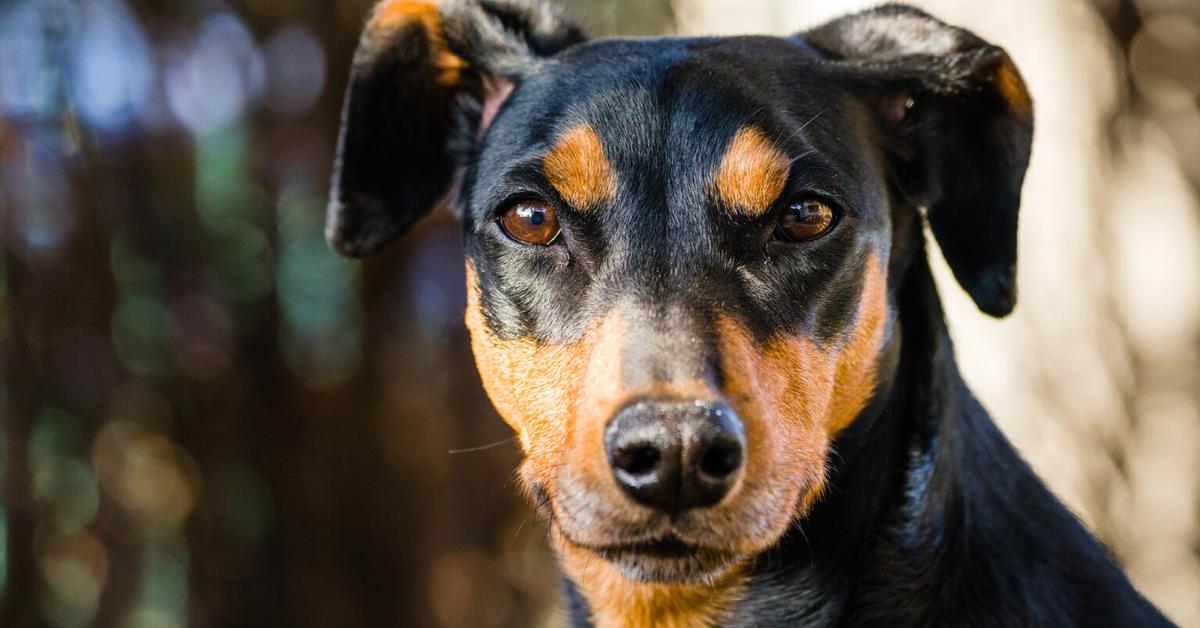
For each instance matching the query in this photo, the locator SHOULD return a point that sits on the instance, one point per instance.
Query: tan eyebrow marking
(752, 173)
(579, 170)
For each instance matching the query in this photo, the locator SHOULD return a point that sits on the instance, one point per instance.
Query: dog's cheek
(600, 391)
(558, 398)
(794, 396)
(780, 390)
(829, 385)
(856, 374)
(529, 384)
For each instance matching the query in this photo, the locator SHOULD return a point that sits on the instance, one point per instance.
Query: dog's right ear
(424, 71)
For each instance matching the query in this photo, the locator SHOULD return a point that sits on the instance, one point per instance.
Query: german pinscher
(699, 292)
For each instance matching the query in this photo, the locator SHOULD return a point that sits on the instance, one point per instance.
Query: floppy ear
(957, 123)
(425, 78)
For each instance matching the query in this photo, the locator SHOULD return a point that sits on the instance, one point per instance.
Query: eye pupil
(531, 222)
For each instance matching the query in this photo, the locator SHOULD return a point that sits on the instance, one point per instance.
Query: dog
(698, 290)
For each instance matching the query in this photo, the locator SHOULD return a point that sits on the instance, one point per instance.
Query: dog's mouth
(667, 559)
(668, 546)
(689, 548)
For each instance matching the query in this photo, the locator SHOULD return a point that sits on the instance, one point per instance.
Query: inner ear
(893, 108)
(495, 95)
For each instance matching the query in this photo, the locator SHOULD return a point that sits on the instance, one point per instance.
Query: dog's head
(682, 254)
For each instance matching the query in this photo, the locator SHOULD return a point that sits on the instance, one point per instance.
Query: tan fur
(395, 14)
(577, 167)
(617, 602)
(556, 397)
(1008, 81)
(752, 173)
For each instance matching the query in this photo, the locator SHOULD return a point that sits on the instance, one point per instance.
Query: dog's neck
(885, 495)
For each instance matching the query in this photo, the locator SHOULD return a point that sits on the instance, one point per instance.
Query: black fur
(932, 518)
(967, 149)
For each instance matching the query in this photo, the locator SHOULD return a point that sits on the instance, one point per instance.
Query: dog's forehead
(640, 87)
(675, 105)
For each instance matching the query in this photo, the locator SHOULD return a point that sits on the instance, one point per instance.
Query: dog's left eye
(531, 222)
(805, 218)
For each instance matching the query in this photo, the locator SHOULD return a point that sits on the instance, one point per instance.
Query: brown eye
(805, 219)
(531, 222)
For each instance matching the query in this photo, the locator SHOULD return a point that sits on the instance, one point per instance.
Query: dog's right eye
(530, 221)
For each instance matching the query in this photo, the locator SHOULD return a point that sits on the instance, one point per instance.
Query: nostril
(721, 459)
(637, 460)
(675, 456)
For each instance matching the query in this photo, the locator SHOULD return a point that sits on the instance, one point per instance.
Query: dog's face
(679, 252)
(653, 223)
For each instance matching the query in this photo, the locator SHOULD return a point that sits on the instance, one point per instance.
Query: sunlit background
(208, 419)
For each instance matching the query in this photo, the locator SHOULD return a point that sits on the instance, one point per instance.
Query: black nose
(673, 456)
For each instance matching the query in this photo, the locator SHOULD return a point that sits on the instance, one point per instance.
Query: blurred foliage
(207, 418)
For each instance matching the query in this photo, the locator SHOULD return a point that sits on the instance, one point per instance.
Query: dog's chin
(669, 561)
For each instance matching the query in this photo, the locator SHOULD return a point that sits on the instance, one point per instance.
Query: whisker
(483, 447)
(801, 156)
(803, 126)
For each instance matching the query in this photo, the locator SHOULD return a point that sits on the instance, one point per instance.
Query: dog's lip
(667, 559)
(658, 539)
(666, 546)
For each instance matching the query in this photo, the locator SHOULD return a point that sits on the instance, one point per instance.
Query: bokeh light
(215, 77)
(27, 85)
(112, 65)
(295, 67)
(320, 335)
(40, 209)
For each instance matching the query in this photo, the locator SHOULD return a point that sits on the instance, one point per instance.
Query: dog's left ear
(427, 77)
(957, 124)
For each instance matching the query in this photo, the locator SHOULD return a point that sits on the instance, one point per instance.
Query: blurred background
(208, 419)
